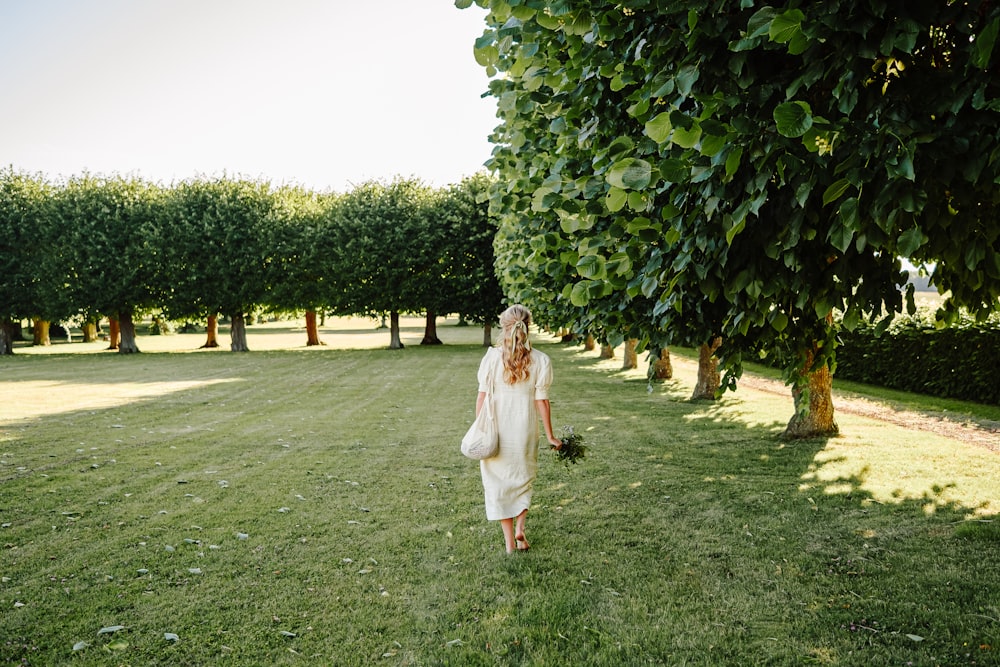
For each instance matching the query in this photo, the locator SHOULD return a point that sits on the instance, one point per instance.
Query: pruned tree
(110, 264)
(374, 231)
(213, 238)
(30, 288)
(469, 284)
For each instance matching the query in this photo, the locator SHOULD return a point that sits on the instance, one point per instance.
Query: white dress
(508, 476)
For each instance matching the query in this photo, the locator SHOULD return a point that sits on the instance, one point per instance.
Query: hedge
(912, 355)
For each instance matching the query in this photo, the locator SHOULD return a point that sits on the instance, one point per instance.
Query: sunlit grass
(311, 507)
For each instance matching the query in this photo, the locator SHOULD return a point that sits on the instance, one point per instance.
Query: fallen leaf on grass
(916, 638)
(171, 637)
(111, 629)
(286, 633)
(79, 646)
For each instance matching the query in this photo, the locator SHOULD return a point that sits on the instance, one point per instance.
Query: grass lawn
(297, 506)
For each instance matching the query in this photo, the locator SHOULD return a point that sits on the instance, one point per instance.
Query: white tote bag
(482, 440)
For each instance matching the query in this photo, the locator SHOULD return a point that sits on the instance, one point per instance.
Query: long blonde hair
(515, 346)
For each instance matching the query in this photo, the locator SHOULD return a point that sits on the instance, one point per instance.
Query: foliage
(298, 271)
(385, 245)
(109, 265)
(360, 529)
(214, 238)
(915, 355)
(469, 283)
(747, 168)
(572, 449)
(30, 283)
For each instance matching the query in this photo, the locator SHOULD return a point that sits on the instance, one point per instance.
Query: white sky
(323, 93)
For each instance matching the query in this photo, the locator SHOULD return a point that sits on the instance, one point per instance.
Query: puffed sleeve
(542, 375)
(484, 368)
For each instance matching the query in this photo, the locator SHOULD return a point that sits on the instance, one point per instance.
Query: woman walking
(521, 379)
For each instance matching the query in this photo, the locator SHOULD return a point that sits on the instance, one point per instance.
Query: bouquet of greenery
(572, 449)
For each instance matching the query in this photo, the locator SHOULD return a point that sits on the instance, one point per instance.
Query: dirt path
(982, 433)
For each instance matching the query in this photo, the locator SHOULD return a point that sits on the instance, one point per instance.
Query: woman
(521, 379)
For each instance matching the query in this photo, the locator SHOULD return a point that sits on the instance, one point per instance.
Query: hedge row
(912, 355)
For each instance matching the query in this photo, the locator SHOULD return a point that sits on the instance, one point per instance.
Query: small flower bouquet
(572, 449)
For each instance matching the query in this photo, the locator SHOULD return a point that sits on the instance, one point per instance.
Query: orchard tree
(376, 230)
(214, 248)
(297, 275)
(783, 156)
(105, 227)
(469, 285)
(28, 271)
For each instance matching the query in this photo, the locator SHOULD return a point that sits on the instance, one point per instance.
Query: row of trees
(729, 175)
(119, 247)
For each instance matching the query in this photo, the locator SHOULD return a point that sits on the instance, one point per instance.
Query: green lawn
(310, 507)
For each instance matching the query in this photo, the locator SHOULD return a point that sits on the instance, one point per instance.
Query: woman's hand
(555, 442)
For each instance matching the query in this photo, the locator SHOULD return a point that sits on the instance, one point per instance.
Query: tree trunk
(567, 336)
(630, 360)
(813, 402)
(607, 352)
(6, 337)
(394, 342)
(708, 371)
(662, 368)
(126, 327)
(430, 330)
(312, 329)
(114, 334)
(89, 330)
(238, 333)
(40, 333)
(212, 331)
(589, 343)
(487, 334)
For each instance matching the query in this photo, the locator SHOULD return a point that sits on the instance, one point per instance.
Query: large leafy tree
(469, 284)
(296, 277)
(31, 286)
(378, 231)
(215, 255)
(761, 165)
(105, 234)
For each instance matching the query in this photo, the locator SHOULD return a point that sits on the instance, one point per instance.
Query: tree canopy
(744, 170)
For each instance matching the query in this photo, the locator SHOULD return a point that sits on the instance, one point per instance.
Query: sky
(321, 93)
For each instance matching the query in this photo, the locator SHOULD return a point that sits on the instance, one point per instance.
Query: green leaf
(735, 229)
(760, 23)
(786, 27)
(793, 118)
(733, 161)
(592, 266)
(580, 296)
(779, 321)
(463, 4)
(686, 138)
(982, 48)
(840, 235)
(616, 199)
(909, 241)
(674, 170)
(835, 191)
(658, 128)
(630, 174)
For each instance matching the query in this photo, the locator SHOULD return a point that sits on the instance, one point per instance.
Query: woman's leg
(520, 542)
(508, 534)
